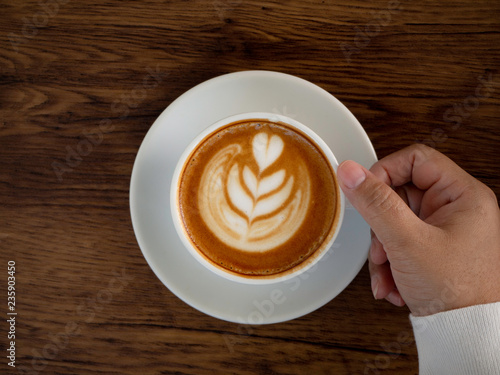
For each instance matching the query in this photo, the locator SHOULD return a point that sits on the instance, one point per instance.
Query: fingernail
(375, 286)
(351, 174)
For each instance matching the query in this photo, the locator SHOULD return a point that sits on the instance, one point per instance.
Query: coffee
(258, 198)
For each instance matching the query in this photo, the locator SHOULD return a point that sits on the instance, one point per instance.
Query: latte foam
(257, 197)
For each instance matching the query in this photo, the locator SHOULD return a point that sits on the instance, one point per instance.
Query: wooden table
(75, 104)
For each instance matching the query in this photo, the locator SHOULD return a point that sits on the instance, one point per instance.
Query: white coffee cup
(221, 271)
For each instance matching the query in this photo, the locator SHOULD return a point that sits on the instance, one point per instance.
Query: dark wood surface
(87, 301)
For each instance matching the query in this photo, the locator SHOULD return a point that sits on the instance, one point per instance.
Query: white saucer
(250, 91)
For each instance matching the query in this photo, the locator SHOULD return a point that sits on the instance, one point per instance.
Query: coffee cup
(255, 199)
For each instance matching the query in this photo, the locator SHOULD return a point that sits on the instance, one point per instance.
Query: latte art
(244, 206)
(257, 198)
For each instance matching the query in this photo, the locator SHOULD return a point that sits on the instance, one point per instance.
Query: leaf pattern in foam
(273, 202)
(266, 150)
(231, 200)
(238, 196)
(265, 185)
(270, 183)
(250, 181)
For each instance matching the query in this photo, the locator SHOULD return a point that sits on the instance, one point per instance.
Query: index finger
(422, 165)
(439, 177)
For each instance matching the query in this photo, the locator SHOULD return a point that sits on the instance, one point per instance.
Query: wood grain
(78, 74)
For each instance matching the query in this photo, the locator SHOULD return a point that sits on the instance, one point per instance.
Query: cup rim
(288, 274)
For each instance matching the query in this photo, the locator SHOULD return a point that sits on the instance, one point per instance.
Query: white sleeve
(462, 341)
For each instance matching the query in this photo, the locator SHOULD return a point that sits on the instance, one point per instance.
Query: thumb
(387, 214)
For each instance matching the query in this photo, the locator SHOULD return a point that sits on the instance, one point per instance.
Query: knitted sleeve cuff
(462, 341)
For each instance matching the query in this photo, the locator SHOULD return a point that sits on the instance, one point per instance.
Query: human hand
(438, 227)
